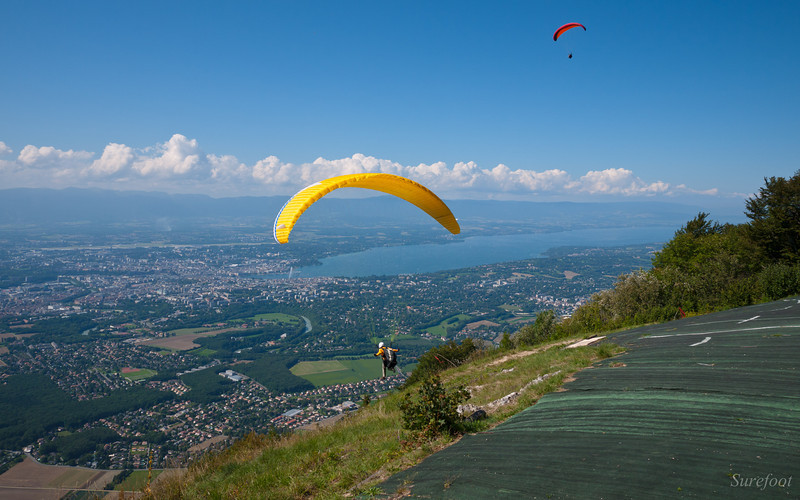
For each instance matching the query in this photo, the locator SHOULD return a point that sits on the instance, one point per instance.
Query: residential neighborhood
(146, 343)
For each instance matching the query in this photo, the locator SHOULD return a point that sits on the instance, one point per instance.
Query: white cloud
(180, 165)
(438, 175)
(228, 167)
(508, 180)
(618, 181)
(179, 156)
(6, 165)
(116, 157)
(271, 171)
(462, 176)
(707, 192)
(50, 157)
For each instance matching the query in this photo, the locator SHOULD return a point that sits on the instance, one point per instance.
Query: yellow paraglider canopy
(411, 191)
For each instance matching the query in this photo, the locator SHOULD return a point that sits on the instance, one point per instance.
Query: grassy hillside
(350, 456)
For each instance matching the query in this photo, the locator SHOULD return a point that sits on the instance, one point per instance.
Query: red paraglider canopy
(560, 31)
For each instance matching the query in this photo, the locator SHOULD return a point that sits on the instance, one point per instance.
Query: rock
(508, 398)
(478, 414)
(466, 409)
(471, 412)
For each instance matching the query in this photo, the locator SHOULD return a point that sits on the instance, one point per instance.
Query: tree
(700, 226)
(774, 215)
(542, 329)
(687, 246)
(708, 267)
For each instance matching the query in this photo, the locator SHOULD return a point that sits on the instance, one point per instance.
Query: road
(308, 324)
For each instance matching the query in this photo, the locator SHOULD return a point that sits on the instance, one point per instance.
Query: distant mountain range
(24, 206)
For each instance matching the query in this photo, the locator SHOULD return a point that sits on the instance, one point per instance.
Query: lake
(475, 251)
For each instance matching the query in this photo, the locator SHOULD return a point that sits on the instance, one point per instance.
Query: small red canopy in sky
(560, 31)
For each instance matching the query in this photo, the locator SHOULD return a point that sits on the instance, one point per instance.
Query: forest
(34, 404)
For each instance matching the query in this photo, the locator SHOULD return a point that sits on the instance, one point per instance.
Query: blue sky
(668, 100)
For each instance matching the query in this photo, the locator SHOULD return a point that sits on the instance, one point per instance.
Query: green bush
(505, 343)
(779, 280)
(434, 411)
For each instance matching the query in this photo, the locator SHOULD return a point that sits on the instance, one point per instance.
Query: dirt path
(523, 354)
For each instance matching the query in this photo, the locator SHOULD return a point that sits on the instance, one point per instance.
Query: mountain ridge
(49, 206)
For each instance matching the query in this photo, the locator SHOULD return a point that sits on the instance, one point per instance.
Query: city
(153, 355)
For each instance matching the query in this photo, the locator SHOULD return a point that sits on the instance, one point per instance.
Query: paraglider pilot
(388, 356)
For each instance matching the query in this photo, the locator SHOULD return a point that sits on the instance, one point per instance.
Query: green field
(522, 319)
(277, 318)
(391, 339)
(331, 372)
(137, 480)
(203, 351)
(440, 329)
(139, 375)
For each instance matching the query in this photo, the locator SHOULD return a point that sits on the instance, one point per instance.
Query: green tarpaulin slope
(705, 407)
